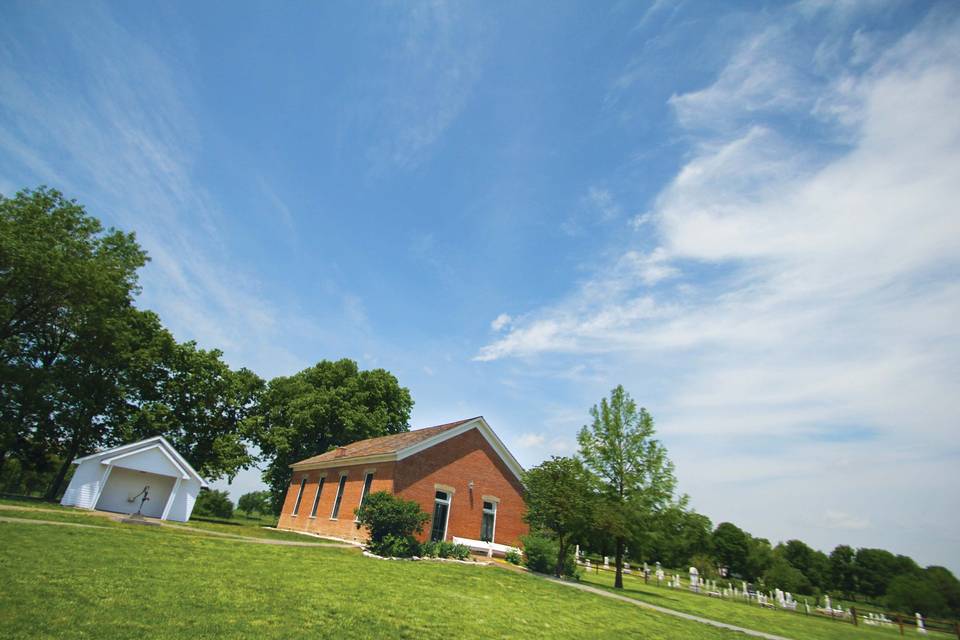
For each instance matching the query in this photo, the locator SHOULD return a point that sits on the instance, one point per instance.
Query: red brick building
(460, 473)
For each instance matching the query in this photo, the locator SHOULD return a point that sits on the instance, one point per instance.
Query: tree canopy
(320, 408)
(82, 368)
(636, 477)
(560, 500)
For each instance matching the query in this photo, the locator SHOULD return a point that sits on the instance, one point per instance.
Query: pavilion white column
(173, 494)
(103, 483)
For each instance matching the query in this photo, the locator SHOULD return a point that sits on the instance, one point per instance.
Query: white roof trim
(136, 447)
(156, 445)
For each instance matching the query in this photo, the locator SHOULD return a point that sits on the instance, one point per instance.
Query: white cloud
(501, 322)
(800, 292)
(432, 71)
(840, 520)
(531, 440)
(126, 144)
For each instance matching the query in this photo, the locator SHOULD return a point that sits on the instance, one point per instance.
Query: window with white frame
(367, 481)
(296, 505)
(316, 498)
(339, 498)
(441, 514)
(488, 524)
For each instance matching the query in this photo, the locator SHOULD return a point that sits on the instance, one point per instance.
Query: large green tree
(812, 563)
(732, 547)
(636, 477)
(843, 571)
(324, 406)
(196, 401)
(82, 368)
(679, 534)
(66, 307)
(759, 557)
(560, 499)
(875, 569)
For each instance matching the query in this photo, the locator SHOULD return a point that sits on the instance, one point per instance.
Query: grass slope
(784, 623)
(127, 581)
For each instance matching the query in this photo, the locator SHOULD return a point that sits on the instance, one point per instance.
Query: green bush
(429, 549)
(213, 503)
(540, 554)
(392, 546)
(384, 514)
(513, 557)
(460, 552)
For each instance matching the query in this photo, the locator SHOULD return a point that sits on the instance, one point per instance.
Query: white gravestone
(920, 627)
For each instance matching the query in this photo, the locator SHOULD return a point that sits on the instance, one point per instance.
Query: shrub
(384, 514)
(213, 503)
(392, 546)
(540, 555)
(513, 557)
(460, 552)
(429, 549)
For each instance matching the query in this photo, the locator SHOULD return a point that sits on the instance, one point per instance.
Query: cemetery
(774, 611)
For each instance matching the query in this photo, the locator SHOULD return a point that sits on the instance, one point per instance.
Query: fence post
(956, 626)
(900, 622)
(853, 614)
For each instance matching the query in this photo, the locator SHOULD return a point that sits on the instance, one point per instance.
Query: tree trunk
(64, 467)
(618, 581)
(558, 570)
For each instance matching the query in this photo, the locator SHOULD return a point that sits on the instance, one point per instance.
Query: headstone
(606, 561)
(827, 600)
(920, 628)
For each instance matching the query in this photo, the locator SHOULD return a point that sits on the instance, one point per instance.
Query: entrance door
(441, 513)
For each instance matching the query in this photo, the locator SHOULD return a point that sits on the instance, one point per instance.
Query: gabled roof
(403, 445)
(107, 456)
(383, 444)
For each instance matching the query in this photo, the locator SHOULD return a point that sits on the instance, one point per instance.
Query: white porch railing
(489, 549)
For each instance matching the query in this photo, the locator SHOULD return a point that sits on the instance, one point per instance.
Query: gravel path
(669, 612)
(205, 532)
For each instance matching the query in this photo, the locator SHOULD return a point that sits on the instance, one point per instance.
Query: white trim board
(176, 465)
(135, 447)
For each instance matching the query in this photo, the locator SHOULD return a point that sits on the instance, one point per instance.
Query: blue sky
(745, 213)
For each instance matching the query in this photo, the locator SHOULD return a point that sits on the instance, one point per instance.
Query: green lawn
(738, 612)
(248, 527)
(127, 581)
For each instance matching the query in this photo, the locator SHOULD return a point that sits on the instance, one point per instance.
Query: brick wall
(454, 463)
(343, 526)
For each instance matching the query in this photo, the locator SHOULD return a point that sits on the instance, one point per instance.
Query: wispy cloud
(126, 143)
(431, 70)
(806, 259)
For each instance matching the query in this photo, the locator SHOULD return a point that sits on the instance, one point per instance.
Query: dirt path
(119, 517)
(54, 522)
(664, 610)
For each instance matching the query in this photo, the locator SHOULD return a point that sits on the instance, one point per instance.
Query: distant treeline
(682, 538)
